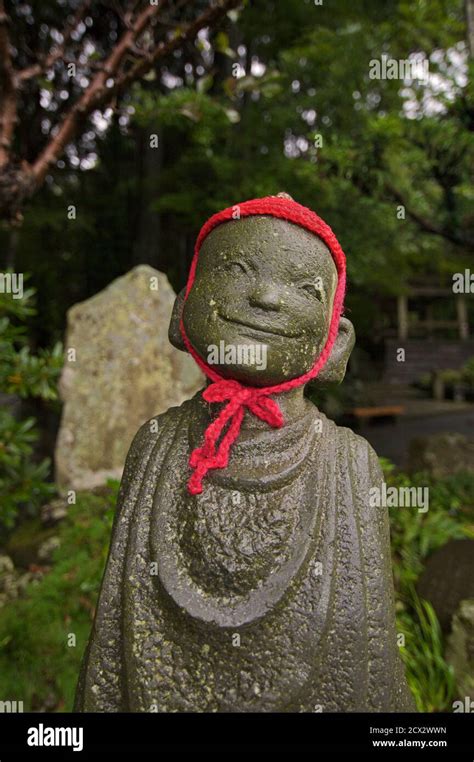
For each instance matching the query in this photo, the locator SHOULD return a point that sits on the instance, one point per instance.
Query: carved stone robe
(270, 591)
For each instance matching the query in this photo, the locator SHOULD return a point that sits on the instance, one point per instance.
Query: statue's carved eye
(237, 266)
(314, 290)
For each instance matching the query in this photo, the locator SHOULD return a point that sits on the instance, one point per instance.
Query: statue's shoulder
(362, 453)
(366, 478)
(157, 432)
(157, 426)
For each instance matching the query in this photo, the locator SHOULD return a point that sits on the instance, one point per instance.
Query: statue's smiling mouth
(259, 328)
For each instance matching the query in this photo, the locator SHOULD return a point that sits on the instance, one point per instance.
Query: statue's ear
(335, 368)
(174, 334)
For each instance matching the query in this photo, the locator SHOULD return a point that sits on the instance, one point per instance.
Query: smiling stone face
(263, 296)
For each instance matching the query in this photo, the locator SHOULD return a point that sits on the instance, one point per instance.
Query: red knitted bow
(211, 454)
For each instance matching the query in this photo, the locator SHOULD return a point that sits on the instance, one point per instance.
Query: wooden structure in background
(426, 341)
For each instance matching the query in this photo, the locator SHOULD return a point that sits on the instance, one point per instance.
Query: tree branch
(209, 18)
(8, 116)
(95, 92)
(425, 224)
(97, 95)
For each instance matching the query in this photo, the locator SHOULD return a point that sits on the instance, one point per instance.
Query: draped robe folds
(270, 591)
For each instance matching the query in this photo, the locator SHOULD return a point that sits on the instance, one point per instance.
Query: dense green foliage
(430, 678)
(37, 663)
(23, 482)
(415, 536)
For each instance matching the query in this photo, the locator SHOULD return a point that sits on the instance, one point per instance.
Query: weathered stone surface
(125, 372)
(441, 454)
(460, 650)
(448, 579)
(272, 589)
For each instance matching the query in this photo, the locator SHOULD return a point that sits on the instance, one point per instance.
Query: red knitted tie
(215, 453)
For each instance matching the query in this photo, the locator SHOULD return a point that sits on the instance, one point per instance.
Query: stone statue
(247, 569)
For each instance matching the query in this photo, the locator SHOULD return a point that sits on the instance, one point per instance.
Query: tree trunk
(470, 25)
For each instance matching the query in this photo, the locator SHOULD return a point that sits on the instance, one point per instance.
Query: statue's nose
(266, 297)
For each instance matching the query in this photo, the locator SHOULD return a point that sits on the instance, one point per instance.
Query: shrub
(414, 536)
(23, 483)
(37, 666)
(430, 678)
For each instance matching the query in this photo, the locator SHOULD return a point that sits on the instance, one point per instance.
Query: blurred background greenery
(277, 97)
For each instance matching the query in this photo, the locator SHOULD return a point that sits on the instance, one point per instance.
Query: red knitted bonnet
(215, 454)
